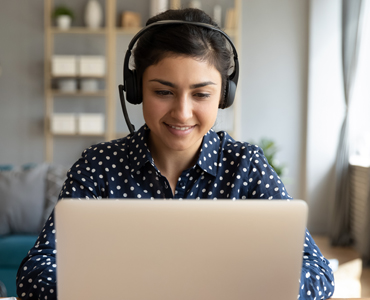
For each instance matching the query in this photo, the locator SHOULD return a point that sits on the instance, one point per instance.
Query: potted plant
(270, 149)
(63, 16)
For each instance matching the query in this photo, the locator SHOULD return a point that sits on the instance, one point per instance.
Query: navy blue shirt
(124, 168)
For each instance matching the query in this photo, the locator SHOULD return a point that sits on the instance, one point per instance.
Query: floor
(351, 280)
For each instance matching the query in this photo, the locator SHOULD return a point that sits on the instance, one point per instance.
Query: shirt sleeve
(317, 278)
(36, 277)
(82, 183)
(263, 182)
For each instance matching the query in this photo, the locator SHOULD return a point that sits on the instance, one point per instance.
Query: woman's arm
(36, 277)
(317, 278)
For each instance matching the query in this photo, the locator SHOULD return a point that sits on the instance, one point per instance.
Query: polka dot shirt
(124, 168)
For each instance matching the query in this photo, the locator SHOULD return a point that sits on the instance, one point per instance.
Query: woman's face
(180, 102)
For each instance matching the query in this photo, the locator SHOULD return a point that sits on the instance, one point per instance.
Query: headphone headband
(179, 22)
(131, 82)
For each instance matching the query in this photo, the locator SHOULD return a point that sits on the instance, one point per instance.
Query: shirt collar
(139, 152)
(208, 157)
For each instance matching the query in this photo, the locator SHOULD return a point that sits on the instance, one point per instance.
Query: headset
(132, 85)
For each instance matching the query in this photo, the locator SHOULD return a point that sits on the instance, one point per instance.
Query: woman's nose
(182, 109)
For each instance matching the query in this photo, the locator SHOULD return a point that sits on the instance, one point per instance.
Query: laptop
(167, 250)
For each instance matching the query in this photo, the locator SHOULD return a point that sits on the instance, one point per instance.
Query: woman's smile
(182, 128)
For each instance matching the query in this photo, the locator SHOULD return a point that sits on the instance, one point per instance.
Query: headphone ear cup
(138, 88)
(229, 94)
(133, 93)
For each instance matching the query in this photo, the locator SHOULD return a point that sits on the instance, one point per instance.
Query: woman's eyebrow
(202, 84)
(170, 84)
(193, 86)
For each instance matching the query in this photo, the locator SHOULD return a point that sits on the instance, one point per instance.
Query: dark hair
(183, 39)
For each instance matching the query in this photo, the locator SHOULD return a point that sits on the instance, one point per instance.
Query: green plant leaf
(62, 10)
(270, 149)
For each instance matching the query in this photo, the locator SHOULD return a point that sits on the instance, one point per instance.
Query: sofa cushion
(55, 178)
(6, 167)
(13, 248)
(22, 200)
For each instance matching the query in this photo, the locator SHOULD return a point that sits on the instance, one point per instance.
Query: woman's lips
(176, 129)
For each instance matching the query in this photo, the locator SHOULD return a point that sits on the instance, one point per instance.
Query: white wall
(21, 82)
(325, 108)
(291, 92)
(274, 81)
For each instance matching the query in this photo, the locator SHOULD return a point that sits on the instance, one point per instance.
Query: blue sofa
(13, 248)
(28, 195)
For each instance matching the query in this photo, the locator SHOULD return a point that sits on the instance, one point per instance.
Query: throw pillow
(22, 200)
(55, 178)
(6, 167)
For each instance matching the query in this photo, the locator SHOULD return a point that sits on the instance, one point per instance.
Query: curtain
(360, 145)
(340, 229)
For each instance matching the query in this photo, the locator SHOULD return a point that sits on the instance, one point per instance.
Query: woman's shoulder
(230, 146)
(118, 145)
(108, 147)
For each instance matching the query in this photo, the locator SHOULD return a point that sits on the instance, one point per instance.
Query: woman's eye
(202, 95)
(163, 93)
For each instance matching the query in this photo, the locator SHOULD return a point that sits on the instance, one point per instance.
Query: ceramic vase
(158, 6)
(195, 4)
(217, 14)
(64, 22)
(93, 14)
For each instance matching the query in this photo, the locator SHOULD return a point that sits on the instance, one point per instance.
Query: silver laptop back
(142, 249)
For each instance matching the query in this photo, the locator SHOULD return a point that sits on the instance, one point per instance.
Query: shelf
(128, 31)
(79, 134)
(78, 77)
(84, 30)
(100, 93)
(231, 32)
(78, 30)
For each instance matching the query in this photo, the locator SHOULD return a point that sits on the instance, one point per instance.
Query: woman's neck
(172, 163)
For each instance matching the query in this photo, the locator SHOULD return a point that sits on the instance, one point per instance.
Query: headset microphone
(130, 126)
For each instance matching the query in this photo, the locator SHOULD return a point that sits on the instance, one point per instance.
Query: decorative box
(91, 65)
(89, 85)
(68, 85)
(131, 19)
(89, 123)
(63, 123)
(64, 65)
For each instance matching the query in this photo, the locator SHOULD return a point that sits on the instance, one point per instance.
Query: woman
(182, 72)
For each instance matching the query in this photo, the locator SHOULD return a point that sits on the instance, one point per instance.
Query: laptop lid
(143, 249)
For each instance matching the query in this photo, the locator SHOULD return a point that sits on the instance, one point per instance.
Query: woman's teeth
(180, 128)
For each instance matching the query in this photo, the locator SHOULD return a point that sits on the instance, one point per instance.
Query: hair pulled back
(183, 40)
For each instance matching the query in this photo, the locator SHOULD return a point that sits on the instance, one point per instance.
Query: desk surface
(12, 298)
(330, 298)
